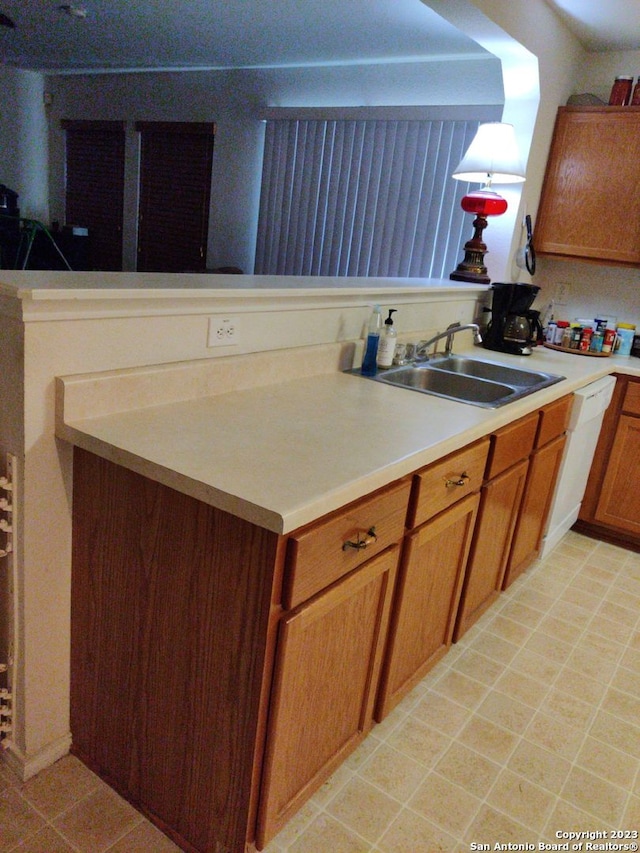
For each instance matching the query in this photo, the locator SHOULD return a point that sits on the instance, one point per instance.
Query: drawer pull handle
(360, 544)
(461, 481)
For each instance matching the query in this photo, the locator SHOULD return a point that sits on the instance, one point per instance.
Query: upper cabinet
(590, 204)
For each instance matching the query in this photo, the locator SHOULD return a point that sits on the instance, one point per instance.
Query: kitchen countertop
(285, 452)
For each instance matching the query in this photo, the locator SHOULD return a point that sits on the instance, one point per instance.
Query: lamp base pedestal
(472, 267)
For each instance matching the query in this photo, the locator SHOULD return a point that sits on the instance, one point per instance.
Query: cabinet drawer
(319, 554)
(445, 482)
(511, 444)
(554, 419)
(631, 403)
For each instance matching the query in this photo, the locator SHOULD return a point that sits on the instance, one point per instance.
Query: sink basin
(493, 371)
(467, 380)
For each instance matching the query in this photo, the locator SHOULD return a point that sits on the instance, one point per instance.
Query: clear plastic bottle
(370, 360)
(387, 346)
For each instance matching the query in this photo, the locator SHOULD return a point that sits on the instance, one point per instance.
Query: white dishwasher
(587, 412)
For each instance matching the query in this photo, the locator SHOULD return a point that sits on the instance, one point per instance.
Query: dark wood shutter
(175, 190)
(94, 192)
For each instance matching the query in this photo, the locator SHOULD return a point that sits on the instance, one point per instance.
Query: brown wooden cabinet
(590, 203)
(538, 491)
(611, 505)
(500, 501)
(220, 672)
(330, 648)
(444, 505)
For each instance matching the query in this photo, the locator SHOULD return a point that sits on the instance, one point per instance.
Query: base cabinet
(221, 672)
(329, 657)
(611, 505)
(429, 589)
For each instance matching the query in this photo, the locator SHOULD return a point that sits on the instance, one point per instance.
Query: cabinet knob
(369, 538)
(462, 480)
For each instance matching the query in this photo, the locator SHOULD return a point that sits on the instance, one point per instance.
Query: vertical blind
(362, 197)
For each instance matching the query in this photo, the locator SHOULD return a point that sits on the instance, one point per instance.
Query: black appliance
(514, 327)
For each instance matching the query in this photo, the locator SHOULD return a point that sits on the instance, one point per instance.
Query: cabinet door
(499, 505)
(538, 492)
(590, 205)
(619, 503)
(327, 668)
(427, 599)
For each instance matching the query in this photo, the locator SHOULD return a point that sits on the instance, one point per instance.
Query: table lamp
(491, 157)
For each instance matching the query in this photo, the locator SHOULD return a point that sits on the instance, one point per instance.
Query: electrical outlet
(563, 293)
(223, 332)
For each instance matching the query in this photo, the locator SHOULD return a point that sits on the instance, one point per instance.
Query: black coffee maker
(514, 327)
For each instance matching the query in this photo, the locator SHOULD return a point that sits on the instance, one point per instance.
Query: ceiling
(94, 35)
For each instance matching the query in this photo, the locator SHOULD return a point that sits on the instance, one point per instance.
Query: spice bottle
(621, 91)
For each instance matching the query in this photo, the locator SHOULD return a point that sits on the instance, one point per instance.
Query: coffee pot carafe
(514, 327)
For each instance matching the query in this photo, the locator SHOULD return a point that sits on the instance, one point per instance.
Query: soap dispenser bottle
(370, 360)
(387, 347)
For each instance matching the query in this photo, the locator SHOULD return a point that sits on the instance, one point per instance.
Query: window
(362, 197)
(94, 187)
(175, 189)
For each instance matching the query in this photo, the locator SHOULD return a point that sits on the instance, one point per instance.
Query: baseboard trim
(26, 766)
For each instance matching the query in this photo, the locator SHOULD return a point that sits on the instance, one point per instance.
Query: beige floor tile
(493, 827)
(509, 629)
(555, 735)
(522, 687)
(410, 833)
(548, 647)
(622, 705)
(325, 833)
(60, 786)
(539, 765)
(522, 613)
(294, 828)
(610, 763)
(536, 666)
(393, 772)
(521, 800)
(47, 840)
(590, 663)
(364, 809)
(145, 838)
(590, 793)
(419, 741)
(617, 732)
(505, 711)
(631, 659)
(631, 819)
(468, 769)
(580, 686)
(478, 666)
(445, 804)
(570, 709)
(487, 738)
(18, 819)
(495, 647)
(461, 689)
(98, 821)
(567, 632)
(567, 818)
(627, 680)
(441, 713)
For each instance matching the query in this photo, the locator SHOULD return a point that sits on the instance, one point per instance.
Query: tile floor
(529, 726)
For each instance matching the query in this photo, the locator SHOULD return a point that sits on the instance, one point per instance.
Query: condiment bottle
(621, 91)
(387, 345)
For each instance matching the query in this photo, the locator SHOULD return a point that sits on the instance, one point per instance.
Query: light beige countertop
(281, 450)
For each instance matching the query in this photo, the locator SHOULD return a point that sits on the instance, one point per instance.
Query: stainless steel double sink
(468, 380)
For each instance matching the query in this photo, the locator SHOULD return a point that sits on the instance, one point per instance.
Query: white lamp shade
(492, 157)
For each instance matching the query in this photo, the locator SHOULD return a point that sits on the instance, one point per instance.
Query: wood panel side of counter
(171, 603)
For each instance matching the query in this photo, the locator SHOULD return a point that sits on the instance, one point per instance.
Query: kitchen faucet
(421, 353)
